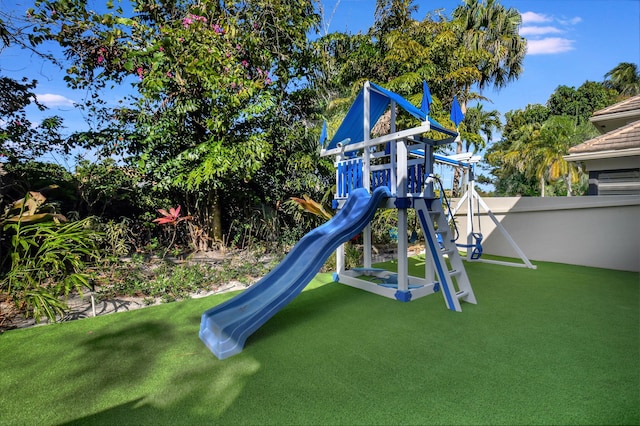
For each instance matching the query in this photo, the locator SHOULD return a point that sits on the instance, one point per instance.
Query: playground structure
(401, 161)
(393, 171)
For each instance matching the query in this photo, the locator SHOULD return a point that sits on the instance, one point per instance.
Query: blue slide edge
(225, 327)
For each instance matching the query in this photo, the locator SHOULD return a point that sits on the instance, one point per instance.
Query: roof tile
(630, 104)
(625, 137)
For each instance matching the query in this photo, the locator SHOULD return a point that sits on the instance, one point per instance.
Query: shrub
(47, 261)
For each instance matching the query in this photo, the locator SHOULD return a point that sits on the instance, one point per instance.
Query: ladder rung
(441, 231)
(454, 272)
(461, 294)
(447, 251)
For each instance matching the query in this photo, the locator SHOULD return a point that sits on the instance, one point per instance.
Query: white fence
(599, 231)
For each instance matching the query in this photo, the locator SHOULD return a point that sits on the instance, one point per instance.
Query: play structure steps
(453, 276)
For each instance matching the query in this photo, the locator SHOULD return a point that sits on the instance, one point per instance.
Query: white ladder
(453, 277)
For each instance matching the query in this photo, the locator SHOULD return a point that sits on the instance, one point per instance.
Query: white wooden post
(366, 172)
(469, 213)
(401, 192)
(393, 181)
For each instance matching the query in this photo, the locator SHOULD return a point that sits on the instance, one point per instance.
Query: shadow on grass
(116, 356)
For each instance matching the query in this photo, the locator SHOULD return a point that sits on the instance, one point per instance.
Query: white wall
(600, 231)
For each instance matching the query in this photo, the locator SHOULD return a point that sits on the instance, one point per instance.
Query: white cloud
(50, 100)
(535, 30)
(570, 21)
(538, 27)
(535, 18)
(549, 45)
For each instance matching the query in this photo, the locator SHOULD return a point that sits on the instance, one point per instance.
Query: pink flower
(169, 74)
(161, 49)
(100, 59)
(245, 64)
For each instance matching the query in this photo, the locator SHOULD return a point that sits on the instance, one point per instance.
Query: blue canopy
(352, 126)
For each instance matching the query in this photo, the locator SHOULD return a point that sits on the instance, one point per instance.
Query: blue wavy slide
(225, 327)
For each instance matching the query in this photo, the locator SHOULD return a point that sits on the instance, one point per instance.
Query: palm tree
(624, 78)
(490, 28)
(538, 150)
(491, 31)
(525, 153)
(558, 134)
(478, 122)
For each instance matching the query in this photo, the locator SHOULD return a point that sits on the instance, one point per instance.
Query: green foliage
(624, 78)
(215, 86)
(114, 238)
(47, 261)
(20, 139)
(165, 281)
(536, 149)
(581, 102)
(108, 189)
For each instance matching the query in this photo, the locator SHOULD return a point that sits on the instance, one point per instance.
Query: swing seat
(476, 247)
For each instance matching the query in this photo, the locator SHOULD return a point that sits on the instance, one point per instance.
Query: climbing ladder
(452, 276)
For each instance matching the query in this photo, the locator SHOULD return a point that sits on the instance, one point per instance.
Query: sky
(569, 42)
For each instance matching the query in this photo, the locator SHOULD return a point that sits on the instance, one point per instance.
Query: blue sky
(570, 42)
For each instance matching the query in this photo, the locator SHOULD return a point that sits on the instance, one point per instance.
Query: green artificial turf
(556, 345)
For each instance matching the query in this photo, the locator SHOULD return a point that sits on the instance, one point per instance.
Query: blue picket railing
(350, 177)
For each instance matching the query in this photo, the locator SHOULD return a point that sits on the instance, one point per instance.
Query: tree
(488, 27)
(538, 149)
(581, 102)
(504, 157)
(392, 15)
(477, 123)
(557, 135)
(21, 139)
(624, 78)
(211, 78)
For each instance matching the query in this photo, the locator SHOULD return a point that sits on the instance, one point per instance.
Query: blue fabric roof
(352, 126)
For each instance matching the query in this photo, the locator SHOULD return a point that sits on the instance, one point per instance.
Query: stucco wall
(600, 231)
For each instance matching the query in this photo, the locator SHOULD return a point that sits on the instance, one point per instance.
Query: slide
(225, 328)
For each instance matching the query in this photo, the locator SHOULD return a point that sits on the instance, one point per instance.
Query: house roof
(352, 126)
(630, 104)
(617, 115)
(625, 137)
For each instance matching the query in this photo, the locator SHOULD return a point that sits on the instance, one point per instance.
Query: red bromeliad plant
(172, 217)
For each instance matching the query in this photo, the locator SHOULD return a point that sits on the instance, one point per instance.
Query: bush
(47, 261)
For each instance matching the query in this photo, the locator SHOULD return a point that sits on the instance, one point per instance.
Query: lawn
(556, 345)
